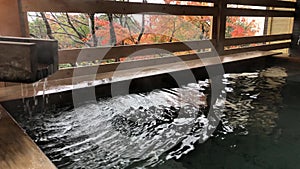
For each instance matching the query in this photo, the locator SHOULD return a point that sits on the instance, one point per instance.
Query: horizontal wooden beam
(91, 54)
(259, 48)
(116, 7)
(256, 39)
(58, 85)
(268, 3)
(83, 71)
(211, 1)
(257, 12)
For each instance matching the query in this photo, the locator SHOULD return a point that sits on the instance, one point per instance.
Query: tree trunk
(93, 30)
(143, 27)
(142, 30)
(113, 38)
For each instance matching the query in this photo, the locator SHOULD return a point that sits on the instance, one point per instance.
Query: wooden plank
(82, 71)
(211, 1)
(91, 54)
(18, 151)
(11, 84)
(116, 7)
(2, 84)
(257, 12)
(268, 3)
(259, 48)
(256, 39)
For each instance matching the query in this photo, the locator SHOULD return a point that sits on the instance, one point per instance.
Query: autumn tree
(69, 30)
(82, 30)
(235, 26)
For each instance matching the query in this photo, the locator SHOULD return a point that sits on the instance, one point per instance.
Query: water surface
(165, 128)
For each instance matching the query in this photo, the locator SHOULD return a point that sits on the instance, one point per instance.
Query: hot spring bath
(166, 128)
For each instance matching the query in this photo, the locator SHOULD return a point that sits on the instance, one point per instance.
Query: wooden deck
(18, 151)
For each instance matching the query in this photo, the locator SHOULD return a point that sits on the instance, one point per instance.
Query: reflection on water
(160, 129)
(253, 101)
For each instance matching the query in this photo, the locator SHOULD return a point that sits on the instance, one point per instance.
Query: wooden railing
(115, 7)
(219, 11)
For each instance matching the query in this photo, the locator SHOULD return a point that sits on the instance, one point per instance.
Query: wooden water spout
(27, 60)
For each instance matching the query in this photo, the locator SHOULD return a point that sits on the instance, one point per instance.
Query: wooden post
(219, 26)
(13, 21)
(295, 45)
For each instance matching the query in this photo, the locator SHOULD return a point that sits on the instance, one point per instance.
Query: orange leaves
(87, 38)
(197, 19)
(240, 27)
(101, 22)
(147, 38)
(238, 31)
(103, 31)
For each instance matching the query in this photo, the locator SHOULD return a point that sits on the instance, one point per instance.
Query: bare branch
(77, 21)
(71, 36)
(33, 35)
(174, 30)
(66, 33)
(143, 26)
(80, 35)
(56, 21)
(48, 27)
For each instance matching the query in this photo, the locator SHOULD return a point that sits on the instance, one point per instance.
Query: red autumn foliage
(102, 31)
(166, 28)
(240, 27)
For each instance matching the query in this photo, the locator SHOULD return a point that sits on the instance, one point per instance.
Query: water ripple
(141, 130)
